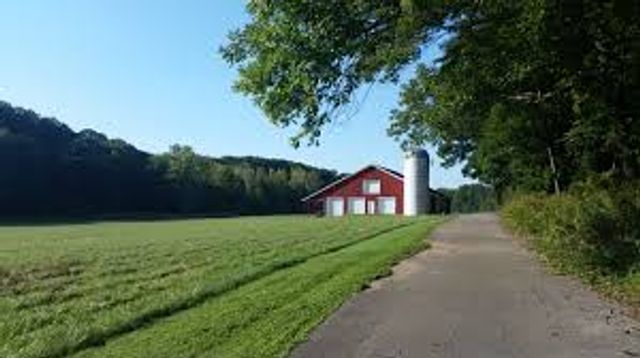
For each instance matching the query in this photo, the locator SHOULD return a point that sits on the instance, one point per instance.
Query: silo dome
(416, 182)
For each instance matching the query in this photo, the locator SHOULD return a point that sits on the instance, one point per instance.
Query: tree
(528, 94)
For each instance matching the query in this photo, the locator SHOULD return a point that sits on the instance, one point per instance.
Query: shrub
(590, 231)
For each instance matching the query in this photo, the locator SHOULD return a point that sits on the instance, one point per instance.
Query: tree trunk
(554, 172)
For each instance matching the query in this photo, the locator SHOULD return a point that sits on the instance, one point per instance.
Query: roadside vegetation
(592, 231)
(223, 287)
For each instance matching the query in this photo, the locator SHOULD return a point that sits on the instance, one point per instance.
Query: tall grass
(593, 231)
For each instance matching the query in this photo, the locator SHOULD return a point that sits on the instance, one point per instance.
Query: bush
(590, 231)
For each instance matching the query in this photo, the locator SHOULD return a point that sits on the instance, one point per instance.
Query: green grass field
(242, 287)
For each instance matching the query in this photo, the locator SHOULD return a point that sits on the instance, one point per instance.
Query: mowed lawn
(240, 287)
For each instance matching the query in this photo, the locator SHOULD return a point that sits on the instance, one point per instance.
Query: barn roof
(388, 171)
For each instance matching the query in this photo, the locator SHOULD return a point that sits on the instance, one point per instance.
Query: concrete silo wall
(416, 183)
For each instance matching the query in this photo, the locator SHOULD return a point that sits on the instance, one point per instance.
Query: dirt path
(475, 294)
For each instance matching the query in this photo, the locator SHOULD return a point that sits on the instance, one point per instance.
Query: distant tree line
(470, 198)
(49, 169)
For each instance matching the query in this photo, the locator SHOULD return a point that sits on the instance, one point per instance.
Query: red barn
(371, 190)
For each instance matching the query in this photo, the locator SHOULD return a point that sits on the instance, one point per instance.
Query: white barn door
(371, 209)
(387, 205)
(334, 207)
(356, 206)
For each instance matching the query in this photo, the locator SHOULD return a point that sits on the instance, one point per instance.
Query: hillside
(50, 169)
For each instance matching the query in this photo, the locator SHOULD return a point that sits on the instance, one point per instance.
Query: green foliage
(302, 61)
(249, 286)
(591, 232)
(237, 185)
(511, 90)
(50, 170)
(521, 84)
(471, 198)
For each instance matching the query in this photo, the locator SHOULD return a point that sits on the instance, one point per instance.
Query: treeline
(471, 198)
(48, 169)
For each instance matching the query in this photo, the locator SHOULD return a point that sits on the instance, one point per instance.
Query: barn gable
(367, 171)
(371, 190)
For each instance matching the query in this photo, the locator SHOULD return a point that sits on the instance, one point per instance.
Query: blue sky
(148, 71)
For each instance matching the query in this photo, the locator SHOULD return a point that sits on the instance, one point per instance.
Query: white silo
(416, 182)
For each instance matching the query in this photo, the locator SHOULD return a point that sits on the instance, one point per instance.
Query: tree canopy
(529, 95)
(50, 170)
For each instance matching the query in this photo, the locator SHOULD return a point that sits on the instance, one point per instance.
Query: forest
(49, 170)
